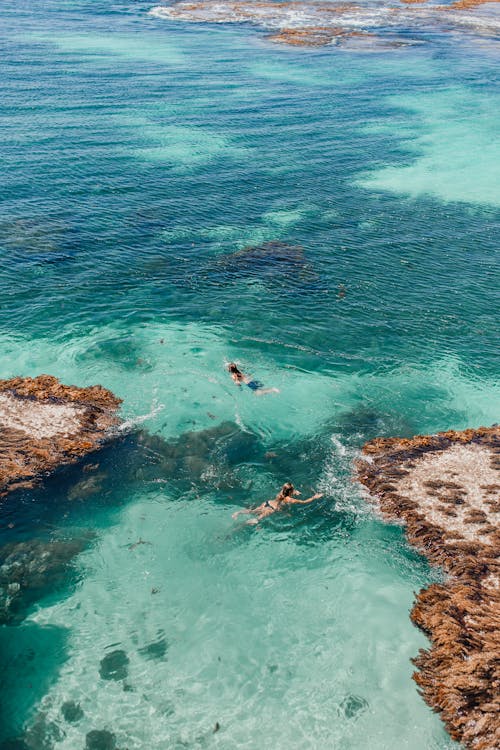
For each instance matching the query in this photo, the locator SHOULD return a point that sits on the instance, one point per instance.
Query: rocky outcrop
(446, 489)
(314, 36)
(312, 23)
(44, 425)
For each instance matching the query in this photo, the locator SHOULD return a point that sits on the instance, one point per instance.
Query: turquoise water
(138, 155)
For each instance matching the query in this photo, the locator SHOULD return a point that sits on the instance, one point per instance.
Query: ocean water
(141, 156)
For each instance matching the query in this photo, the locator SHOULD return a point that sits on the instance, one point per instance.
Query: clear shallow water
(137, 155)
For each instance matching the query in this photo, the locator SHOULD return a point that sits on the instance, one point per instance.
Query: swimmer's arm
(304, 502)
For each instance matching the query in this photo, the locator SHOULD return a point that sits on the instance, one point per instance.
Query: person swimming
(284, 498)
(241, 379)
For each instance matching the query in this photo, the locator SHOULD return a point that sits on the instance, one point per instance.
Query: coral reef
(44, 425)
(445, 488)
(100, 739)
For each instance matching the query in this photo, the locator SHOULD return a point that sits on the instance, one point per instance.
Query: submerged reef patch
(114, 666)
(272, 258)
(446, 489)
(44, 425)
(30, 569)
(271, 262)
(198, 458)
(100, 739)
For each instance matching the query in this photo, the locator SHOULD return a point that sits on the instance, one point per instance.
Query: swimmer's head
(287, 490)
(233, 368)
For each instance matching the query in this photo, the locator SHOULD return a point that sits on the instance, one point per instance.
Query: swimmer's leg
(240, 512)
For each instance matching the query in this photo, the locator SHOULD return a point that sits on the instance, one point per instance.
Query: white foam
(39, 419)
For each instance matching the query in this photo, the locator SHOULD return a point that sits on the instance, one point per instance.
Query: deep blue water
(139, 157)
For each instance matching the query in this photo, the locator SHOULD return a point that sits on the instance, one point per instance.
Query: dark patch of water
(156, 649)
(32, 569)
(30, 658)
(205, 459)
(100, 739)
(72, 712)
(352, 706)
(114, 666)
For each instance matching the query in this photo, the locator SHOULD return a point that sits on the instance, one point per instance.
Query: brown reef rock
(446, 489)
(313, 36)
(44, 425)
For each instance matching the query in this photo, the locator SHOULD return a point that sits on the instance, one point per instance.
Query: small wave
(131, 424)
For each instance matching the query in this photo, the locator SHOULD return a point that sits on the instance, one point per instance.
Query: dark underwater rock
(123, 351)
(202, 456)
(155, 649)
(269, 253)
(43, 734)
(14, 744)
(87, 487)
(270, 259)
(30, 569)
(114, 666)
(352, 706)
(71, 711)
(198, 459)
(363, 423)
(100, 739)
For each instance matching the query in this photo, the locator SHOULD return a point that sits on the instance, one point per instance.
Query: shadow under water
(32, 569)
(273, 262)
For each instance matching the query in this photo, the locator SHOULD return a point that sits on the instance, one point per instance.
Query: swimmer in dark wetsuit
(284, 498)
(241, 379)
